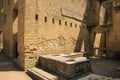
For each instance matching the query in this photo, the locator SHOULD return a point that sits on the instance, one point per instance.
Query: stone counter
(68, 66)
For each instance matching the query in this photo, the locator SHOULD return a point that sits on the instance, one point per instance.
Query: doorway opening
(14, 34)
(1, 41)
(97, 43)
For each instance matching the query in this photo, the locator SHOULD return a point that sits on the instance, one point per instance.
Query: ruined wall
(91, 16)
(54, 27)
(59, 33)
(6, 27)
(106, 13)
(30, 34)
(10, 21)
(103, 28)
(114, 38)
(50, 27)
(47, 27)
(109, 28)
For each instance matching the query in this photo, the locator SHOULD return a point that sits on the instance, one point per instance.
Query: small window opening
(59, 22)
(45, 19)
(75, 25)
(53, 20)
(70, 24)
(36, 17)
(65, 23)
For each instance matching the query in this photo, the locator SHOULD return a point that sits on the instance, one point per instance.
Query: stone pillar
(30, 34)
(87, 42)
(92, 40)
(20, 36)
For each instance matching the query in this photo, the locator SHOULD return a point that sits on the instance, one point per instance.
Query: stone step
(39, 74)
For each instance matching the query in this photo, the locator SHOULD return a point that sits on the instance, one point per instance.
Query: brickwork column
(30, 33)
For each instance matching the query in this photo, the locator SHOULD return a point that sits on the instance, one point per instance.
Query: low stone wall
(66, 67)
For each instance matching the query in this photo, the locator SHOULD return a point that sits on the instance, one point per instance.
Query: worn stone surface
(97, 77)
(64, 66)
(35, 27)
(51, 33)
(9, 70)
(114, 33)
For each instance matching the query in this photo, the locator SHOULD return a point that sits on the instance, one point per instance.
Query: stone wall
(48, 31)
(13, 38)
(54, 27)
(114, 38)
(41, 27)
(109, 28)
(20, 34)
(6, 27)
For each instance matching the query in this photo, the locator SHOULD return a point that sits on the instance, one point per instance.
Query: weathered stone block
(66, 67)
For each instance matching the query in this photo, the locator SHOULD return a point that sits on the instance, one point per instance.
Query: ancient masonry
(31, 28)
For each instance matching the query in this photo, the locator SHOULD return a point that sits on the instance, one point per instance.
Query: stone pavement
(9, 71)
(97, 77)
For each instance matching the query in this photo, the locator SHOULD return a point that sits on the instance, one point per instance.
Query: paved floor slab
(13, 75)
(9, 71)
(97, 77)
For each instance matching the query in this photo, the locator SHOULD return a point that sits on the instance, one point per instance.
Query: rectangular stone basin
(66, 65)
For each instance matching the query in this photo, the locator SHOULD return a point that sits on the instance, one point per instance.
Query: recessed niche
(59, 22)
(36, 17)
(70, 24)
(65, 23)
(75, 25)
(53, 20)
(45, 19)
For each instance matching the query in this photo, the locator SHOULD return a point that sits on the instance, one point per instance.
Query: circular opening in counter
(55, 55)
(70, 60)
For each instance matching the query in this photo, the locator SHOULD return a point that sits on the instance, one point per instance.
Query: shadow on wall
(84, 31)
(15, 28)
(87, 36)
(9, 34)
(106, 20)
(80, 40)
(15, 32)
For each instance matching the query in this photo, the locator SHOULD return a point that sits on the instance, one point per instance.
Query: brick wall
(47, 31)
(46, 27)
